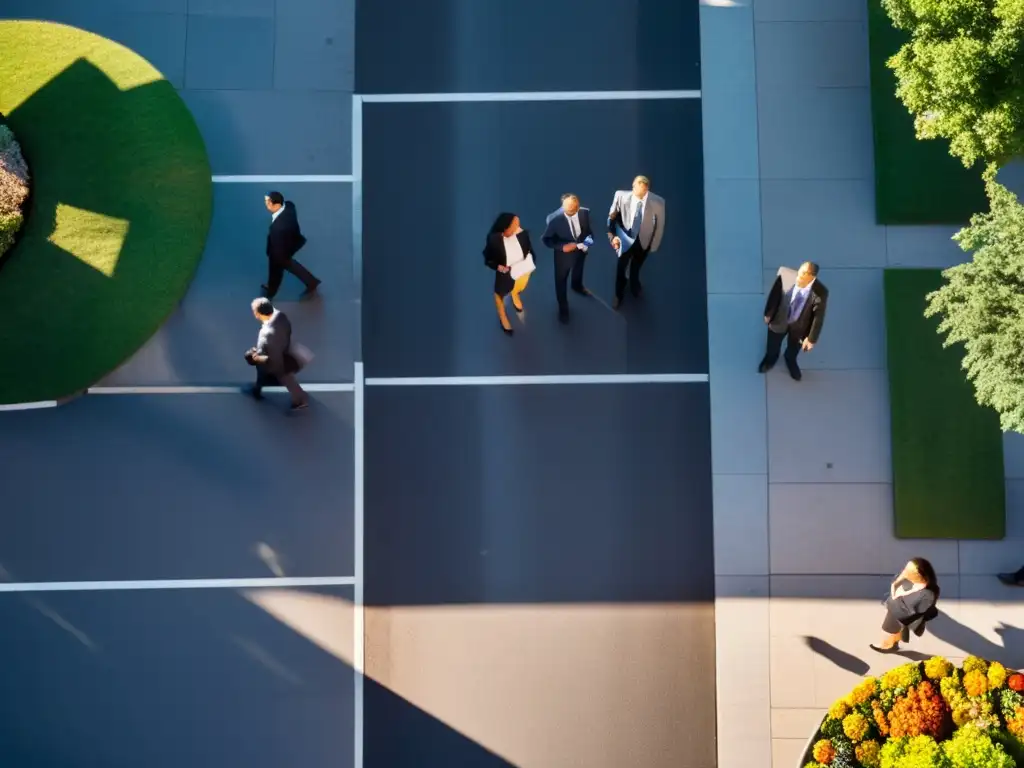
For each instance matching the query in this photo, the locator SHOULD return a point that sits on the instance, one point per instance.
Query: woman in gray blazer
(913, 595)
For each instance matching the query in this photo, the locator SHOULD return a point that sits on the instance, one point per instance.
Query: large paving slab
(203, 341)
(178, 487)
(166, 679)
(428, 303)
(462, 46)
(533, 533)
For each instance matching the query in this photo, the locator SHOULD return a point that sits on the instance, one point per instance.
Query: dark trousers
(774, 346)
(267, 378)
(633, 259)
(566, 263)
(276, 274)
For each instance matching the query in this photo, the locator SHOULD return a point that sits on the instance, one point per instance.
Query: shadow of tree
(134, 155)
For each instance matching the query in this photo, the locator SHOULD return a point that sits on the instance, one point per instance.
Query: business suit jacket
(812, 317)
(494, 256)
(558, 232)
(285, 237)
(274, 341)
(652, 228)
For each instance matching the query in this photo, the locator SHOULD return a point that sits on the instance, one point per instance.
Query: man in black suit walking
(795, 310)
(271, 355)
(283, 241)
(568, 233)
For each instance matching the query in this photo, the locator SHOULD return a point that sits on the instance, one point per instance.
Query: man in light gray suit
(794, 310)
(636, 224)
(272, 354)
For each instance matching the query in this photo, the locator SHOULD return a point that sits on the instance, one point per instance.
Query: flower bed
(926, 715)
(14, 189)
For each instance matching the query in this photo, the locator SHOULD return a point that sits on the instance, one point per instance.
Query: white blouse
(513, 251)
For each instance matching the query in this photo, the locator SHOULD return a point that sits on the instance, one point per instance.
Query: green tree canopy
(981, 305)
(961, 74)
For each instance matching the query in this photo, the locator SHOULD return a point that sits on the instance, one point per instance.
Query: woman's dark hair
(927, 573)
(503, 222)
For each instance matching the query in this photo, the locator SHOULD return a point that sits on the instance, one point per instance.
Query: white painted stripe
(357, 199)
(341, 387)
(111, 586)
(358, 633)
(302, 179)
(29, 406)
(483, 381)
(421, 98)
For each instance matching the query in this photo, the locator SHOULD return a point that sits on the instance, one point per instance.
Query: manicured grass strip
(121, 206)
(916, 182)
(947, 451)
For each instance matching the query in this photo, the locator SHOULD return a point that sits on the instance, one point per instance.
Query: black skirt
(891, 625)
(503, 283)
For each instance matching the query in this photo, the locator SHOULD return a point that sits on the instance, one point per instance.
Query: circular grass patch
(122, 198)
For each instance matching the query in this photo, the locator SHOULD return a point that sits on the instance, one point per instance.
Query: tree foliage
(981, 305)
(961, 74)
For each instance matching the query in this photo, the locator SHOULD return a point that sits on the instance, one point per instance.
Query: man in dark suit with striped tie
(569, 234)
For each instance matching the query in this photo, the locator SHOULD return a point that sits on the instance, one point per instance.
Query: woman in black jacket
(509, 253)
(912, 599)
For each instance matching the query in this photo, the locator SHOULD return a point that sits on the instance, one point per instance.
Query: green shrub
(971, 747)
(6, 138)
(913, 752)
(9, 226)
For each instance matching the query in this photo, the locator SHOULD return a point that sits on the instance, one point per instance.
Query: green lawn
(916, 182)
(947, 451)
(121, 204)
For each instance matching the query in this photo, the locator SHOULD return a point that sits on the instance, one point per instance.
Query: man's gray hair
(263, 307)
(569, 196)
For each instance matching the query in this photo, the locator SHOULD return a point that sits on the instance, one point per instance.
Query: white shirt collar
(275, 214)
(641, 199)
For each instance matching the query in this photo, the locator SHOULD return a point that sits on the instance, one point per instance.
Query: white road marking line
(481, 381)
(302, 179)
(437, 98)
(358, 631)
(341, 387)
(165, 584)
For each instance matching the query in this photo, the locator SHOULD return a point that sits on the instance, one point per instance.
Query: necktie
(638, 218)
(572, 229)
(796, 304)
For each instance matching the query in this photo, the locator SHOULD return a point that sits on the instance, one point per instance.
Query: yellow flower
(975, 683)
(973, 663)
(902, 677)
(838, 710)
(996, 675)
(937, 668)
(855, 726)
(867, 754)
(823, 751)
(864, 690)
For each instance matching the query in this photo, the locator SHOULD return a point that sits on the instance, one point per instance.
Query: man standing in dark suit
(271, 356)
(283, 241)
(568, 233)
(795, 310)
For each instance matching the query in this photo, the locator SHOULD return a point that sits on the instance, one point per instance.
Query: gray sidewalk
(801, 515)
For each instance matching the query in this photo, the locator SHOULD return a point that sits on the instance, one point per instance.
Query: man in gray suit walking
(636, 224)
(795, 310)
(272, 356)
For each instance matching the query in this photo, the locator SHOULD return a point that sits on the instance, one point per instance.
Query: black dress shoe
(508, 331)
(616, 302)
(880, 649)
(563, 317)
(254, 392)
(794, 372)
(764, 367)
(1012, 579)
(265, 291)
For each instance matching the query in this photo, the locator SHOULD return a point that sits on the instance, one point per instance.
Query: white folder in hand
(524, 267)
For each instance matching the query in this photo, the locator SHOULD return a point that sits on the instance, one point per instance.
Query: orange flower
(824, 752)
(1016, 682)
(975, 683)
(920, 712)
